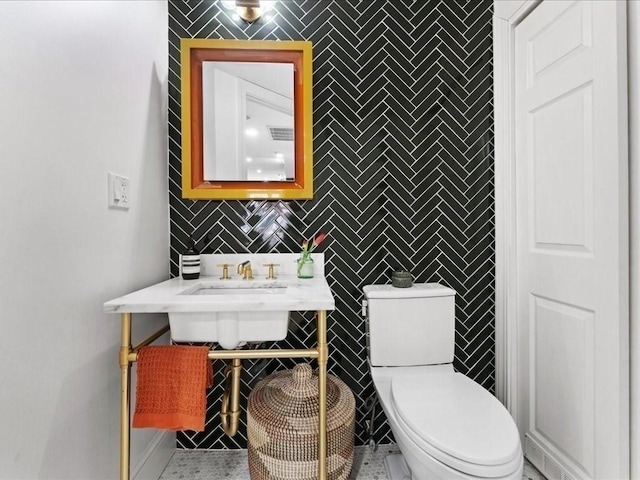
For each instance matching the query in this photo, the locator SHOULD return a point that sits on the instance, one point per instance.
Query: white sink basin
(231, 329)
(237, 291)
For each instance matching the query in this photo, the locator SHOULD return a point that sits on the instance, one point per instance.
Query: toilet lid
(459, 418)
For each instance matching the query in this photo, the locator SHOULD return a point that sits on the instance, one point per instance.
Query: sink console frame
(129, 354)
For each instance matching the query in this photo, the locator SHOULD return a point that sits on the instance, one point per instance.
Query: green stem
(304, 256)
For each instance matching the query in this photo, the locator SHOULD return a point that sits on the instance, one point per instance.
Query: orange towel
(171, 387)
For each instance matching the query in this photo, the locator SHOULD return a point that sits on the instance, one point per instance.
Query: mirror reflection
(248, 121)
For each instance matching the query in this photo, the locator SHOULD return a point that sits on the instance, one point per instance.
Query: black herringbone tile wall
(403, 155)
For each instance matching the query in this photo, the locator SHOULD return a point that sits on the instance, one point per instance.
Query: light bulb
(267, 6)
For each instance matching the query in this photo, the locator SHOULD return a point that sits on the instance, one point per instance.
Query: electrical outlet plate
(119, 191)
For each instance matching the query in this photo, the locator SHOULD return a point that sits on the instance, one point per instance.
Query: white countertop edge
(229, 307)
(300, 295)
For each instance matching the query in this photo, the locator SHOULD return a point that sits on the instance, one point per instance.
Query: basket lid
(301, 383)
(288, 394)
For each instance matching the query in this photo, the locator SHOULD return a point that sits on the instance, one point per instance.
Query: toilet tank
(410, 326)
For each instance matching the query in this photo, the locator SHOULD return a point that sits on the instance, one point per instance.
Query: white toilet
(446, 425)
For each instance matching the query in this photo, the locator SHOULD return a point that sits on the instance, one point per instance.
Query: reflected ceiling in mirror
(246, 119)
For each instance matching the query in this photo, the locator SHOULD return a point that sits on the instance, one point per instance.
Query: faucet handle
(271, 275)
(225, 270)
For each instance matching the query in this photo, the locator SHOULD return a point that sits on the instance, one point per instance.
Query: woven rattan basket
(282, 425)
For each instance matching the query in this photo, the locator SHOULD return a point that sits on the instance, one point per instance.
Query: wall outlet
(119, 191)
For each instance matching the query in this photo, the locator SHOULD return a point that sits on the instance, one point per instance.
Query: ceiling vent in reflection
(284, 134)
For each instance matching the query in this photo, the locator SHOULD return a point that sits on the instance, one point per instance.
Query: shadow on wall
(153, 157)
(84, 401)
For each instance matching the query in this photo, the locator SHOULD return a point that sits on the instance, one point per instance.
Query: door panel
(561, 176)
(562, 353)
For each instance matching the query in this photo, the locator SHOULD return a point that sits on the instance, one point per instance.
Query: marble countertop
(174, 295)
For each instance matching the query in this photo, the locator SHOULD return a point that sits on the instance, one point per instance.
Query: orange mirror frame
(193, 53)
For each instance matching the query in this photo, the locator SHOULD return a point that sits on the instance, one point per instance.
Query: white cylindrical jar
(190, 262)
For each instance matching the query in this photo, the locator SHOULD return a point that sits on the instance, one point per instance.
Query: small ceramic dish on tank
(401, 279)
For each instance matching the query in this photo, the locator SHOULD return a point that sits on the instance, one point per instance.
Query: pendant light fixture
(249, 10)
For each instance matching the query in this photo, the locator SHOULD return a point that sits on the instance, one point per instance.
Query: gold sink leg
(125, 367)
(323, 353)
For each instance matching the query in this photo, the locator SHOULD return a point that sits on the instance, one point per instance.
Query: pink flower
(318, 240)
(305, 255)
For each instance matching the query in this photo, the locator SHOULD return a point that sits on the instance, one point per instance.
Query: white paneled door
(572, 237)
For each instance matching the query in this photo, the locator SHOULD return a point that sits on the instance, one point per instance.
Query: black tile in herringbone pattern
(403, 159)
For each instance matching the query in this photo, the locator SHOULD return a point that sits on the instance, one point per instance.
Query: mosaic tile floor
(232, 465)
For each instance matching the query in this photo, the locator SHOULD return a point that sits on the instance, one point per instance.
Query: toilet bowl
(446, 425)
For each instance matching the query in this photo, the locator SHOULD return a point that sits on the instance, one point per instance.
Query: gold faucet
(244, 269)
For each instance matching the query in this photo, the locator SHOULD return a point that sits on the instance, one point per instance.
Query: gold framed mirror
(246, 119)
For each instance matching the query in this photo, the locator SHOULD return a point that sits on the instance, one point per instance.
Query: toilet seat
(456, 421)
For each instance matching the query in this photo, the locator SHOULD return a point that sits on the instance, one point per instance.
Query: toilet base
(396, 467)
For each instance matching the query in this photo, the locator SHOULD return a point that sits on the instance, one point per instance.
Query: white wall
(82, 92)
(634, 206)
